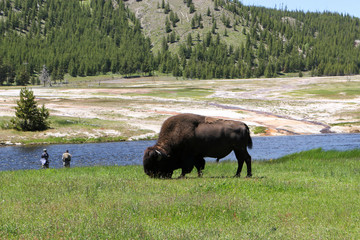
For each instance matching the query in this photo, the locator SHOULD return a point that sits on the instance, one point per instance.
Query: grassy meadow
(309, 195)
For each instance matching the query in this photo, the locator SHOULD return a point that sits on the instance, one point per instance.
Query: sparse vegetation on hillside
(257, 41)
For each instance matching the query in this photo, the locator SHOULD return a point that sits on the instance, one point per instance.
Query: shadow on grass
(215, 177)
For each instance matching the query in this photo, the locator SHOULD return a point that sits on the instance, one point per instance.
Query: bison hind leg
(242, 156)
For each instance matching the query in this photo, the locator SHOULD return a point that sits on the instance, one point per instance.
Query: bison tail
(249, 142)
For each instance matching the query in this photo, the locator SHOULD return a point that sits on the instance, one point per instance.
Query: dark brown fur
(185, 140)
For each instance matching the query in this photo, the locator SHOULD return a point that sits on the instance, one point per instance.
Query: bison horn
(159, 154)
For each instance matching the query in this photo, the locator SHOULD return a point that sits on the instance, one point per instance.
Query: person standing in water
(44, 159)
(66, 158)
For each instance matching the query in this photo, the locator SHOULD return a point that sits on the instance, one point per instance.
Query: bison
(185, 140)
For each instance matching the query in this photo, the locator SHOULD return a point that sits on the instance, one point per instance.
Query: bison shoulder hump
(212, 120)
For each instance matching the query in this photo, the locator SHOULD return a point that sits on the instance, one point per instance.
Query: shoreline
(131, 153)
(2, 144)
(131, 109)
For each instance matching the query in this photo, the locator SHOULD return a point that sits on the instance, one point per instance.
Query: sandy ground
(144, 103)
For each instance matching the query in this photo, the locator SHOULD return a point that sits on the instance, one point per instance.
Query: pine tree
(208, 12)
(193, 24)
(164, 45)
(216, 5)
(167, 25)
(213, 28)
(29, 117)
(3, 73)
(269, 71)
(23, 78)
(167, 8)
(189, 40)
(192, 8)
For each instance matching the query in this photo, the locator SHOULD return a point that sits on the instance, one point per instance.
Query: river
(130, 153)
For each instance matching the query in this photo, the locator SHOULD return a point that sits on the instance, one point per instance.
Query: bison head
(155, 163)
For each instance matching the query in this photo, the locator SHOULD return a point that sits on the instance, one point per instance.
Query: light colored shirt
(66, 156)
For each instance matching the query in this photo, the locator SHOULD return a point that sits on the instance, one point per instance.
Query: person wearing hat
(66, 157)
(44, 159)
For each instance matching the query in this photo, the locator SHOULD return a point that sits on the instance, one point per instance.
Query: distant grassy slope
(341, 90)
(153, 21)
(311, 195)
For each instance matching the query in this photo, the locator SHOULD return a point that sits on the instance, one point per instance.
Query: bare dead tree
(44, 76)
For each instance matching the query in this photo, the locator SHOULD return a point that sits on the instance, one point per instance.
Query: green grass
(77, 130)
(259, 129)
(346, 124)
(310, 195)
(335, 93)
(331, 90)
(75, 140)
(102, 77)
(58, 122)
(188, 92)
(5, 122)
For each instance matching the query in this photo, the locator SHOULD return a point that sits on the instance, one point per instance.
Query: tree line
(276, 42)
(91, 37)
(76, 37)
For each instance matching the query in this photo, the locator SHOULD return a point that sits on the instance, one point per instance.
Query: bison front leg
(167, 175)
(200, 165)
(242, 156)
(185, 170)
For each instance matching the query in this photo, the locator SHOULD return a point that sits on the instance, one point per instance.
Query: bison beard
(185, 140)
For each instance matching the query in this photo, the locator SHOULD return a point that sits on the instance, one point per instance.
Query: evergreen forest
(91, 37)
(81, 38)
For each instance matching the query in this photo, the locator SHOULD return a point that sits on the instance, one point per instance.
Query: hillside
(153, 17)
(269, 41)
(202, 39)
(75, 37)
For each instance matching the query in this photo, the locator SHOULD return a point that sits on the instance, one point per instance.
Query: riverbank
(108, 109)
(125, 153)
(310, 195)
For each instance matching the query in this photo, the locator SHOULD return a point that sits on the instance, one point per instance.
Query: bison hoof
(237, 175)
(249, 176)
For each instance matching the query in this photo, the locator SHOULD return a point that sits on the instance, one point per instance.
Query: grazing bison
(185, 140)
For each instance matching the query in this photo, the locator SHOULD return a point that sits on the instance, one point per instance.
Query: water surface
(131, 153)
